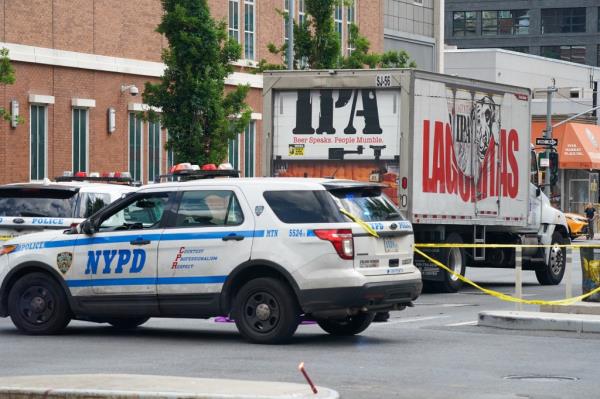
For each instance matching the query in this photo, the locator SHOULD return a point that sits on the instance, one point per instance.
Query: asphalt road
(433, 350)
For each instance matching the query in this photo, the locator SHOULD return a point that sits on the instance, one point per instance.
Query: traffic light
(553, 166)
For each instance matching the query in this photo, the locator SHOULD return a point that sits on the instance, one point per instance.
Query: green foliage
(317, 44)
(7, 77)
(200, 116)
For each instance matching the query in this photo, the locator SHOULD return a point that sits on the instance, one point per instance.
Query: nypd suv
(263, 251)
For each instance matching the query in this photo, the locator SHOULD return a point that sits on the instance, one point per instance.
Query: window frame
(136, 119)
(250, 55)
(154, 172)
(464, 26)
(45, 136)
(250, 149)
(559, 15)
(560, 52)
(87, 139)
(233, 32)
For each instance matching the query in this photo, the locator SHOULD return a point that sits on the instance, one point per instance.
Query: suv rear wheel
(38, 305)
(351, 325)
(266, 311)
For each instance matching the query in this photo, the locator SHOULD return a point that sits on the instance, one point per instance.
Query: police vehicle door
(210, 234)
(120, 257)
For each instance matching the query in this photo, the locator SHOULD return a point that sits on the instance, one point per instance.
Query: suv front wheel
(38, 305)
(266, 311)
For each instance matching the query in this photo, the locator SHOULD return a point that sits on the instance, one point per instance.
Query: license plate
(390, 245)
(395, 270)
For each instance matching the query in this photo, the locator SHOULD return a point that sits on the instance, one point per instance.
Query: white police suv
(264, 251)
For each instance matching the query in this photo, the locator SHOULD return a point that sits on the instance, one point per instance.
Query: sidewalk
(125, 386)
(579, 317)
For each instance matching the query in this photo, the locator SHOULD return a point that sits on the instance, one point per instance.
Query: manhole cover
(541, 378)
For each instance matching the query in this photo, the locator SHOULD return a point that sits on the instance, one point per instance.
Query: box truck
(454, 154)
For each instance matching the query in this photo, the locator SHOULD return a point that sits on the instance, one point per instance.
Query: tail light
(341, 239)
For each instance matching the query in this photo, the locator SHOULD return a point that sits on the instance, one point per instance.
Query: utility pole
(548, 132)
(290, 48)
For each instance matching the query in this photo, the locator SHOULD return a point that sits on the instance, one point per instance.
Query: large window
(249, 149)
(563, 20)
(135, 146)
(38, 141)
(508, 22)
(565, 53)
(338, 18)
(464, 23)
(249, 18)
(80, 139)
(153, 150)
(286, 27)
(234, 19)
(350, 19)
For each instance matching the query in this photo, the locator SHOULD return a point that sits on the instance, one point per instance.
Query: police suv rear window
(369, 204)
(303, 206)
(34, 202)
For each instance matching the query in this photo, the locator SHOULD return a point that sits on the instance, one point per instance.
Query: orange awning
(578, 144)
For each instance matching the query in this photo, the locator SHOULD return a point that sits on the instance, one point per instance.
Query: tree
(200, 116)
(317, 44)
(7, 77)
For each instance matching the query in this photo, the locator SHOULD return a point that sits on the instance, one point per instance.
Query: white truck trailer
(454, 152)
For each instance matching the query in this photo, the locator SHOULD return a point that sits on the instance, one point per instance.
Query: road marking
(410, 320)
(464, 323)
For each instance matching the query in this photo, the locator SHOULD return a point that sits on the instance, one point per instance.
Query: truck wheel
(38, 305)
(554, 270)
(454, 258)
(266, 311)
(351, 325)
(128, 323)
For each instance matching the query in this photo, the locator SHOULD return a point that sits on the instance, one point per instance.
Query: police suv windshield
(37, 202)
(367, 203)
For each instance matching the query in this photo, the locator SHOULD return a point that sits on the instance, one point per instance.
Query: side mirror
(538, 191)
(87, 227)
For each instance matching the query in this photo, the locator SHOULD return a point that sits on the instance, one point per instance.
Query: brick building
(78, 64)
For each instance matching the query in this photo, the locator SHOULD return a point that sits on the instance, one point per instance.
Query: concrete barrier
(126, 386)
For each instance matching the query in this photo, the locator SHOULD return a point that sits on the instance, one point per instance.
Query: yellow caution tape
(360, 222)
(461, 245)
(502, 296)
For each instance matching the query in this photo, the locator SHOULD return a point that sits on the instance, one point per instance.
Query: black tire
(266, 311)
(127, 323)
(381, 317)
(38, 305)
(554, 269)
(351, 325)
(455, 259)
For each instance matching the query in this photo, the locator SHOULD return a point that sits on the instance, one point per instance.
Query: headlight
(6, 249)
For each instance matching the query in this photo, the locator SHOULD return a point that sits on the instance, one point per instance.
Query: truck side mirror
(538, 191)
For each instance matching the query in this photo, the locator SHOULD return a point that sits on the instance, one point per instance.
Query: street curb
(517, 320)
(129, 386)
(592, 308)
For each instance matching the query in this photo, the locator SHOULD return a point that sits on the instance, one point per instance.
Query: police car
(33, 207)
(263, 251)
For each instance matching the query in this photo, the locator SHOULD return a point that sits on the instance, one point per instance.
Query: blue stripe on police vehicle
(127, 238)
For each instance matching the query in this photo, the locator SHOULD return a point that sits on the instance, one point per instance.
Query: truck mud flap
(429, 271)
